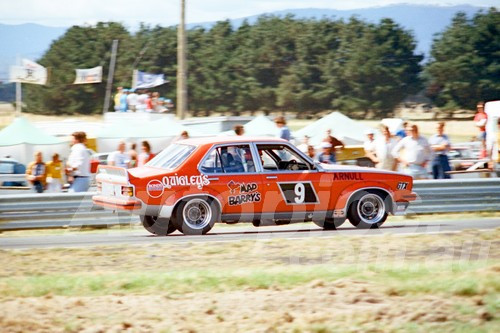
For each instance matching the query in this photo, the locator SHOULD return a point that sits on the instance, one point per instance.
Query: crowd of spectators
(407, 151)
(140, 100)
(52, 176)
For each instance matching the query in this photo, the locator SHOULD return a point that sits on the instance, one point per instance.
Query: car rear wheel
(157, 225)
(367, 210)
(195, 216)
(330, 223)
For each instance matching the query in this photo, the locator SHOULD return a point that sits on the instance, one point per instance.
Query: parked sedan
(9, 166)
(196, 182)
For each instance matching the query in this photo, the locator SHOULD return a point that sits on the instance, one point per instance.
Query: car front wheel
(157, 225)
(367, 210)
(195, 216)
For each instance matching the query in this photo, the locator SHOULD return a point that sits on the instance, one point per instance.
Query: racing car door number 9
(298, 193)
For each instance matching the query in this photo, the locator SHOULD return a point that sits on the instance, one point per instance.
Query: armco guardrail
(37, 211)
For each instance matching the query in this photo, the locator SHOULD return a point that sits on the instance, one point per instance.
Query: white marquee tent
(259, 126)
(21, 139)
(349, 131)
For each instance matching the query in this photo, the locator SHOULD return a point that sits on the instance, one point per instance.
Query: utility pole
(182, 65)
(111, 73)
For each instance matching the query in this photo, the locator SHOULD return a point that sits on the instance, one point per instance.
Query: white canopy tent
(349, 131)
(259, 126)
(159, 134)
(21, 139)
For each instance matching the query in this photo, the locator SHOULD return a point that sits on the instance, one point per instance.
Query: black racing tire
(157, 225)
(330, 223)
(368, 209)
(195, 215)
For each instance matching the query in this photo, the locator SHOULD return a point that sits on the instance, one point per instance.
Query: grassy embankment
(445, 283)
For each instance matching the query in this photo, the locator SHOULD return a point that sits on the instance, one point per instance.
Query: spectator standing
(402, 132)
(480, 120)
(117, 98)
(239, 130)
(311, 152)
(334, 143)
(370, 146)
(123, 101)
(149, 103)
(383, 148)
(142, 101)
(417, 153)
(132, 100)
(326, 155)
(145, 155)
(184, 135)
(78, 165)
(284, 131)
(119, 157)
(36, 173)
(440, 145)
(304, 146)
(132, 153)
(54, 174)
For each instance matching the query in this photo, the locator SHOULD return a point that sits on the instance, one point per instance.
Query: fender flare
(348, 193)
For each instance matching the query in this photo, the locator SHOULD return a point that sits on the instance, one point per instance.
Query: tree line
(282, 64)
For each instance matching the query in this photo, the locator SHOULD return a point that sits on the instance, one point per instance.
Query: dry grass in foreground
(440, 283)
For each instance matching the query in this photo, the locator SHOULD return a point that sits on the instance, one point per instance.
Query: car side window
(281, 158)
(229, 159)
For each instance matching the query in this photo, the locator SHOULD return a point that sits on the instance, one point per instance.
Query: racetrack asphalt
(237, 233)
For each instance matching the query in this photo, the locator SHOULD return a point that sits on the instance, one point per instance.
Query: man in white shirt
(383, 148)
(119, 158)
(78, 164)
(417, 153)
(132, 100)
(370, 146)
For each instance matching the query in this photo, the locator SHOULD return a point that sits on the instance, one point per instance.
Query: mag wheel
(195, 216)
(157, 225)
(367, 210)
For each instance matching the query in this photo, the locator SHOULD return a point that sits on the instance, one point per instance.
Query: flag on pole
(28, 72)
(143, 80)
(89, 75)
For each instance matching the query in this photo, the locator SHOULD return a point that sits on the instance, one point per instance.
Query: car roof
(229, 139)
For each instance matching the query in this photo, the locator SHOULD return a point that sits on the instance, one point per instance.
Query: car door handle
(272, 177)
(213, 178)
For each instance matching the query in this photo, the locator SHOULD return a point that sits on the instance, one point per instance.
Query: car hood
(351, 168)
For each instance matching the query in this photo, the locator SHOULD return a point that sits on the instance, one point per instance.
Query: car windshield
(172, 156)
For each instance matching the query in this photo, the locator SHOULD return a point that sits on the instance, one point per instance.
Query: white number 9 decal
(300, 192)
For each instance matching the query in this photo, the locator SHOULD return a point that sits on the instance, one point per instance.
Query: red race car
(194, 183)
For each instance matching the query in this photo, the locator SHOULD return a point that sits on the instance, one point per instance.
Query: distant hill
(32, 40)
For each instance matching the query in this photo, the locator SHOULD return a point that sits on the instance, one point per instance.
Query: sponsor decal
(155, 187)
(245, 193)
(199, 181)
(348, 176)
(402, 186)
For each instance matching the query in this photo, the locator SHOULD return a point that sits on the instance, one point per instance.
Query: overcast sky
(65, 13)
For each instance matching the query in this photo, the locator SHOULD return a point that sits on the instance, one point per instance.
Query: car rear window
(172, 156)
